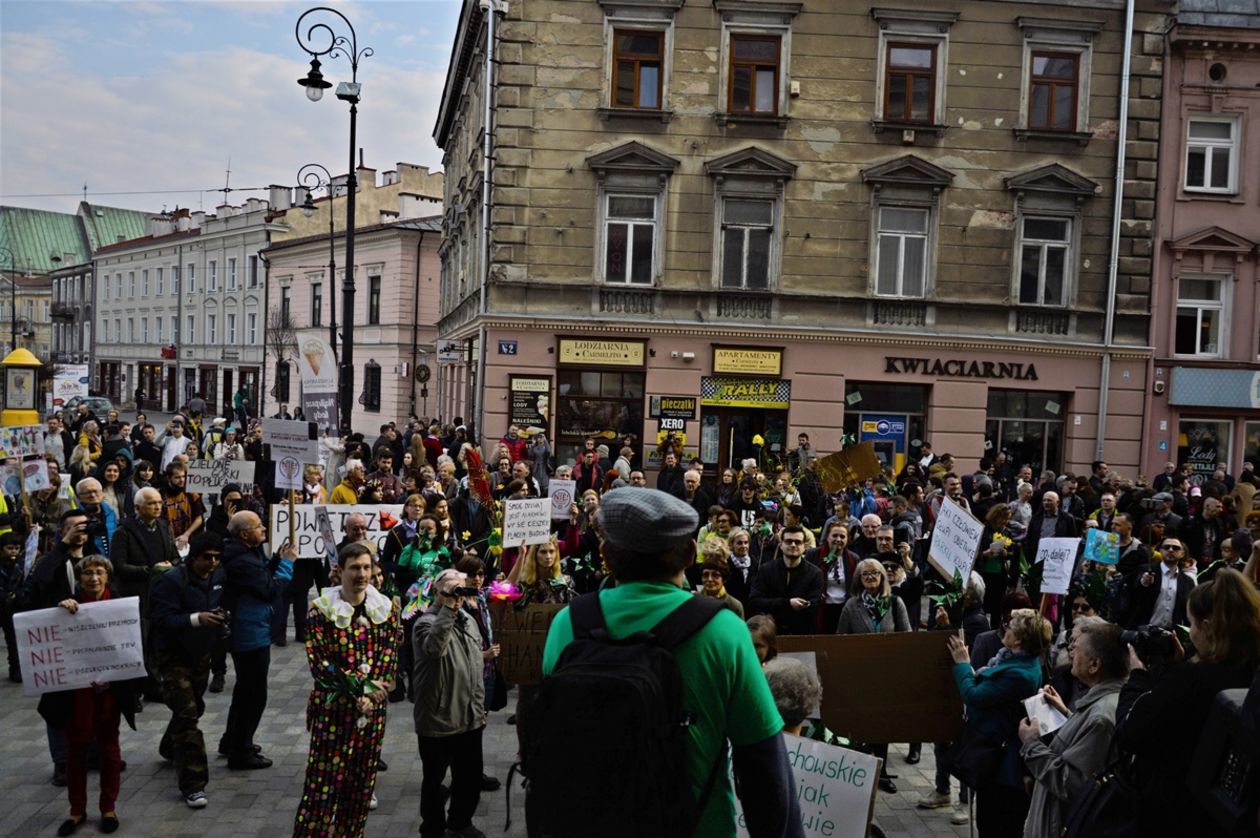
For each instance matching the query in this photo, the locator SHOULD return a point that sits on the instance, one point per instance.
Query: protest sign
(955, 538)
(317, 367)
(21, 440)
(30, 551)
(33, 472)
(835, 788)
(295, 439)
(521, 634)
(526, 521)
(1102, 546)
(849, 467)
(208, 477)
(310, 540)
(289, 469)
(918, 702)
(1057, 556)
(63, 651)
(561, 493)
(324, 527)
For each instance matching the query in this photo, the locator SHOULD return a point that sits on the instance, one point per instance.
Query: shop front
(151, 382)
(599, 393)
(890, 416)
(734, 412)
(1215, 419)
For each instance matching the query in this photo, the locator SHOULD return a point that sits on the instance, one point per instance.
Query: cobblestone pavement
(264, 802)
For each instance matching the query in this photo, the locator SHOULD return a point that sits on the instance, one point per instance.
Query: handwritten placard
(561, 493)
(311, 537)
(1102, 546)
(21, 440)
(954, 540)
(208, 477)
(63, 651)
(1057, 556)
(526, 521)
(521, 634)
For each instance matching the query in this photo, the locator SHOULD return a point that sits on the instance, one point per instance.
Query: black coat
(670, 480)
(774, 585)
(477, 524)
(176, 595)
(134, 559)
(1065, 526)
(51, 580)
(1142, 598)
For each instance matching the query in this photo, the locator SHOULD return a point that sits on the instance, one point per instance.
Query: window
(747, 230)
(910, 83)
(212, 270)
(192, 277)
(1204, 444)
(131, 330)
(212, 332)
(317, 303)
(901, 254)
(231, 329)
(160, 283)
(144, 329)
(374, 301)
(144, 282)
(191, 337)
(1053, 81)
(285, 297)
(1045, 259)
(231, 281)
(1027, 424)
(754, 74)
(372, 387)
(638, 59)
(253, 272)
(119, 286)
(157, 325)
(629, 237)
(175, 329)
(131, 285)
(174, 279)
(105, 288)
(118, 333)
(1211, 155)
(251, 329)
(1200, 326)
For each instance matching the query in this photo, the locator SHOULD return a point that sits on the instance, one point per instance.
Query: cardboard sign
(323, 525)
(296, 439)
(835, 789)
(311, 541)
(33, 472)
(522, 634)
(289, 469)
(562, 494)
(1102, 546)
(208, 477)
(526, 521)
(1058, 556)
(22, 440)
(850, 467)
(918, 699)
(954, 541)
(63, 651)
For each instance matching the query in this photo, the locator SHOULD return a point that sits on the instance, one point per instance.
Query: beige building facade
(852, 220)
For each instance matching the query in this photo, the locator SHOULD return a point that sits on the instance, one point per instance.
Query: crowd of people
(765, 547)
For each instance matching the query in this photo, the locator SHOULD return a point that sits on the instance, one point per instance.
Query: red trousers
(96, 717)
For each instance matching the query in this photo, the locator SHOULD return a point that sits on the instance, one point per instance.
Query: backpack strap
(587, 617)
(686, 620)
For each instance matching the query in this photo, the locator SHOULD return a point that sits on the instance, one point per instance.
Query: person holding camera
(1158, 594)
(186, 610)
(1162, 713)
(450, 707)
(101, 521)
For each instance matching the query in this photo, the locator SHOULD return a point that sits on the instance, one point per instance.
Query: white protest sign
(310, 541)
(526, 521)
(208, 477)
(30, 550)
(1057, 556)
(297, 439)
(561, 493)
(324, 526)
(63, 651)
(954, 540)
(34, 472)
(289, 470)
(835, 788)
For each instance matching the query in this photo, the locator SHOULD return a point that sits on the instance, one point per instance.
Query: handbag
(1107, 807)
(975, 757)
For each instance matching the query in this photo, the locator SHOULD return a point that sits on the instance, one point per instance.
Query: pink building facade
(1204, 398)
(396, 300)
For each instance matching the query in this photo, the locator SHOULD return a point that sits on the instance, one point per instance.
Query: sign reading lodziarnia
(747, 360)
(600, 352)
(772, 393)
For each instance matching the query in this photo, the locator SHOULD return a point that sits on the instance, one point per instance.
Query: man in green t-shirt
(649, 542)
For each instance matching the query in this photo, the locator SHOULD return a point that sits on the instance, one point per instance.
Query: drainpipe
(415, 324)
(179, 278)
(1113, 267)
(262, 383)
(487, 147)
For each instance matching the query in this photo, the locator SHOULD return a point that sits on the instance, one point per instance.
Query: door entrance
(209, 386)
(726, 437)
(228, 393)
(172, 380)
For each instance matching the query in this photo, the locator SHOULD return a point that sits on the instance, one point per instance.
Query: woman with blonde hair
(539, 575)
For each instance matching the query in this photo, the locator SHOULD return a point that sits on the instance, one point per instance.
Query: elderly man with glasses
(1159, 592)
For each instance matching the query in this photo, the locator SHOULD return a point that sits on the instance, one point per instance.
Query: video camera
(469, 591)
(1151, 643)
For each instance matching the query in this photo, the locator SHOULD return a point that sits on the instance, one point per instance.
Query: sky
(162, 98)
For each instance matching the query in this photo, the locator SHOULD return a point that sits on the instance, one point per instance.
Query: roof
(140, 241)
(471, 17)
(36, 236)
(431, 224)
(1223, 13)
(108, 225)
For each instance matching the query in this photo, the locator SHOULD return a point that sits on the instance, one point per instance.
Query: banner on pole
(1102, 546)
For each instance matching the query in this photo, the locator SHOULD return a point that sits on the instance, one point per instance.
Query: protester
(788, 588)
(715, 570)
(352, 639)
(184, 510)
(797, 691)
(839, 567)
(187, 615)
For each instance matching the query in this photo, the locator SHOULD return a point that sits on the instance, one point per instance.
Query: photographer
(185, 609)
(1160, 717)
(101, 521)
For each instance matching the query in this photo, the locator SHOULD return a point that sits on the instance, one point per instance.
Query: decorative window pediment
(908, 170)
(1053, 180)
(751, 162)
(632, 158)
(1213, 240)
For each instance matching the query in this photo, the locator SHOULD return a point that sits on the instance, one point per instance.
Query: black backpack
(606, 746)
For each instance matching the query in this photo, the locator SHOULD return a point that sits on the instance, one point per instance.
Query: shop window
(638, 68)
(603, 404)
(1045, 258)
(632, 180)
(1212, 154)
(1200, 322)
(1028, 426)
(901, 254)
(1251, 443)
(912, 67)
(1057, 62)
(1204, 445)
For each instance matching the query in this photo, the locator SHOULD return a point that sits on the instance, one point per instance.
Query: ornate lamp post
(7, 258)
(309, 178)
(319, 38)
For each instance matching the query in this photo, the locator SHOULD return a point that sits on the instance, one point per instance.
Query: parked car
(99, 405)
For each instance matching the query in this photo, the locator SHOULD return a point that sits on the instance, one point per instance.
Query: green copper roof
(36, 236)
(109, 225)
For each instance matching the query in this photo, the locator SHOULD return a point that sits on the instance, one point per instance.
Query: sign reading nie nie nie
(63, 651)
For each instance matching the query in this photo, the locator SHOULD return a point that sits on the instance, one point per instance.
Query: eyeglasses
(870, 574)
(794, 542)
(1174, 548)
(1081, 606)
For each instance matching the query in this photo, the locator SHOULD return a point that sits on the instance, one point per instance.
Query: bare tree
(281, 339)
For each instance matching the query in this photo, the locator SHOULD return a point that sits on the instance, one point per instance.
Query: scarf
(721, 594)
(1004, 654)
(876, 606)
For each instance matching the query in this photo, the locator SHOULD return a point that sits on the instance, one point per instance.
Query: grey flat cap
(1163, 497)
(646, 520)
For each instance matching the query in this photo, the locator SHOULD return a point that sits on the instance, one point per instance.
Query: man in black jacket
(1159, 593)
(789, 588)
(670, 479)
(185, 609)
(142, 549)
(1049, 522)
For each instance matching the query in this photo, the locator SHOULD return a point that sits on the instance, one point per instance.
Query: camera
(468, 591)
(1150, 642)
(1149, 503)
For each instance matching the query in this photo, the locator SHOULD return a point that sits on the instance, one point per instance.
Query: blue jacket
(993, 699)
(253, 583)
(175, 596)
(100, 545)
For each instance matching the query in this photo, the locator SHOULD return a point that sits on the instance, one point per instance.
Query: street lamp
(309, 179)
(320, 39)
(6, 256)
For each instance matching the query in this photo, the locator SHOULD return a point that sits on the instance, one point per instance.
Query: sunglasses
(868, 574)
(793, 542)
(1175, 548)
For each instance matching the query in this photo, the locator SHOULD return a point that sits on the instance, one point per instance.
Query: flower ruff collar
(376, 606)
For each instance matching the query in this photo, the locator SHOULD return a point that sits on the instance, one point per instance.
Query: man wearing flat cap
(649, 542)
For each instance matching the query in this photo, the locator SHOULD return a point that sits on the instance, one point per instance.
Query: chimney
(280, 197)
(339, 185)
(366, 177)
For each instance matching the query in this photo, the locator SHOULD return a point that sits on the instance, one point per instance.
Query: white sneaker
(933, 800)
(960, 816)
(373, 803)
(197, 800)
